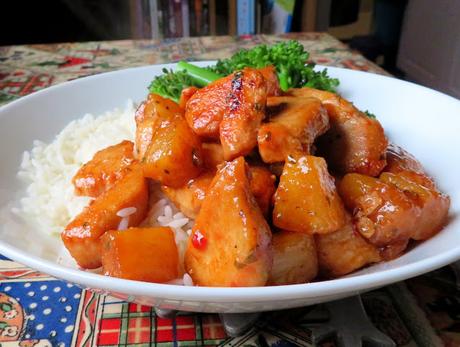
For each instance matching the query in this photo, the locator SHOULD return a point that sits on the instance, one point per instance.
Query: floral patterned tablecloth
(38, 310)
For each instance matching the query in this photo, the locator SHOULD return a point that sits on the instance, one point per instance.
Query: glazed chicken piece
(246, 106)
(105, 168)
(355, 142)
(213, 155)
(141, 254)
(402, 163)
(306, 199)
(406, 173)
(170, 151)
(271, 78)
(262, 185)
(230, 242)
(344, 251)
(146, 121)
(294, 258)
(293, 129)
(384, 215)
(206, 108)
(185, 96)
(189, 197)
(81, 236)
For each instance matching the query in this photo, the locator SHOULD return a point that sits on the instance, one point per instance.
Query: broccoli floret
(290, 60)
(170, 84)
(288, 57)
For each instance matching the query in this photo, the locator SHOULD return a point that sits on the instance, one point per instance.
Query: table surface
(38, 310)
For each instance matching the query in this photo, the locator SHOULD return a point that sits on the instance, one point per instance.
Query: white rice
(50, 203)
(124, 223)
(126, 212)
(48, 169)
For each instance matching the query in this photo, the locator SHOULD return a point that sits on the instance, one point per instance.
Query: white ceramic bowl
(423, 121)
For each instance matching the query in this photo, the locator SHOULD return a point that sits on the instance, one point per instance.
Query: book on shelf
(182, 18)
(185, 18)
(154, 19)
(245, 18)
(277, 16)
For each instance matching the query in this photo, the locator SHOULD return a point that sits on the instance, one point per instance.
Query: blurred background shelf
(414, 39)
(51, 21)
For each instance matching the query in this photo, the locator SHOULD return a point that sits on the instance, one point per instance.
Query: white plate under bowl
(423, 121)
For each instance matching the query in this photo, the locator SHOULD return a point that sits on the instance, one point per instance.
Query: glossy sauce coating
(306, 199)
(190, 196)
(238, 248)
(174, 154)
(383, 214)
(380, 199)
(122, 252)
(262, 185)
(213, 155)
(294, 128)
(355, 142)
(105, 168)
(146, 122)
(271, 78)
(206, 108)
(81, 236)
(241, 121)
(186, 95)
(294, 258)
(344, 251)
(406, 173)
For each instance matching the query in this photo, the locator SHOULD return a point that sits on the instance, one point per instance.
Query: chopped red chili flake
(198, 240)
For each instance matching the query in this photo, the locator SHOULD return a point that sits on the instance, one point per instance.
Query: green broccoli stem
(283, 79)
(200, 76)
(283, 82)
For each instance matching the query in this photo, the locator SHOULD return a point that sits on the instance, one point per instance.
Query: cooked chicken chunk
(213, 155)
(244, 91)
(344, 251)
(240, 123)
(262, 185)
(81, 236)
(306, 199)
(172, 152)
(355, 142)
(271, 78)
(104, 169)
(230, 243)
(293, 129)
(146, 121)
(189, 197)
(384, 215)
(206, 108)
(294, 258)
(141, 254)
(406, 173)
(185, 96)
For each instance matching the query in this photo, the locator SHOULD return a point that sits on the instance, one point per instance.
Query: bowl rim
(326, 288)
(231, 294)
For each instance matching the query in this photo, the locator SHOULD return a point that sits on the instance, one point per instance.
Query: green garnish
(370, 115)
(289, 58)
(170, 84)
(201, 77)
